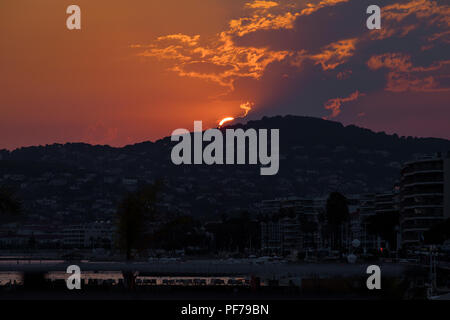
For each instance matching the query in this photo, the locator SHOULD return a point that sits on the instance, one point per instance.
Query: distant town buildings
(98, 234)
(421, 198)
(272, 236)
(290, 224)
(302, 228)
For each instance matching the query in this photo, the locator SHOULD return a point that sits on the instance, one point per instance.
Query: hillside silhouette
(316, 157)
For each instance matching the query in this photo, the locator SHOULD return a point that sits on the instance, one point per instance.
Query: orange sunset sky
(139, 69)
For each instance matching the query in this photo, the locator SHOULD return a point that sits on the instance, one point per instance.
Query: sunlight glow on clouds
(230, 56)
(137, 71)
(261, 4)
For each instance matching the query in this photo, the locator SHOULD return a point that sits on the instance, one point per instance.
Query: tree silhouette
(438, 233)
(308, 228)
(337, 213)
(384, 224)
(236, 233)
(178, 233)
(134, 212)
(10, 206)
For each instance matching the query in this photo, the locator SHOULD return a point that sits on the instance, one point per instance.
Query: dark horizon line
(226, 126)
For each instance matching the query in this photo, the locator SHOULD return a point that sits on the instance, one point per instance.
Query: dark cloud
(318, 60)
(313, 31)
(308, 88)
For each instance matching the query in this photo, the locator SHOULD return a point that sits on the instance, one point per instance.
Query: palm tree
(337, 213)
(135, 210)
(384, 224)
(10, 206)
(308, 229)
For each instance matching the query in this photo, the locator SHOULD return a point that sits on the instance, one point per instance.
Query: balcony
(430, 194)
(423, 183)
(425, 171)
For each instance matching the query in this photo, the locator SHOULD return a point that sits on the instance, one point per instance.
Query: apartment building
(424, 195)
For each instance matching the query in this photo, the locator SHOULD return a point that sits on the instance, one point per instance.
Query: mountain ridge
(316, 157)
(248, 124)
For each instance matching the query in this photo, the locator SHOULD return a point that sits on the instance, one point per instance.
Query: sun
(224, 120)
(247, 106)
